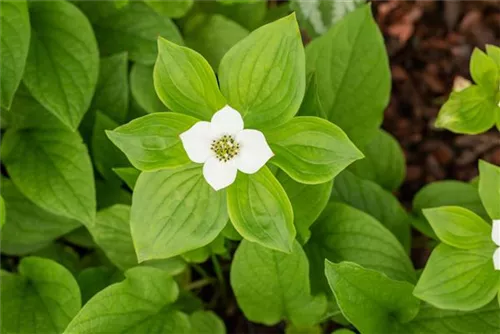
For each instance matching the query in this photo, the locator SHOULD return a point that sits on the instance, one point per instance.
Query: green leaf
(62, 254)
(41, 299)
(458, 279)
(185, 82)
(249, 14)
(470, 111)
(489, 188)
(212, 36)
(92, 280)
(494, 53)
(110, 193)
(152, 142)
(484, 71)
(111, 232)
(173, 9)
(449, 193)
(369, 197)
(2, 211)
(106, 156)
(140, 304)
(111, 94)
(206, 322)
(311, 150)
(343, 233)
(80, 237)
(63, 60)
(459, 227)
(271, 286)
(318, 16)
(311, 104)
(353, 87)
(431, 320)
(52, 168)
(305, 212)
(384, 162)
(26, 113)
(255, 74)
(133, 28)
(28, 227)
(261, 211)
(370, 300)
(143, 89)
(129, 175)
(175, 211)
(15, 38)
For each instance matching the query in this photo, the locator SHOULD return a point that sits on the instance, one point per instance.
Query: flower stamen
(225, 148)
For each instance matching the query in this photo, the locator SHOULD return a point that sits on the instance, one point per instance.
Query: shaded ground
(429, 45)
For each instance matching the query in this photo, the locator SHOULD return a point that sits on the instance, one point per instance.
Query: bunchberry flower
(224, 147)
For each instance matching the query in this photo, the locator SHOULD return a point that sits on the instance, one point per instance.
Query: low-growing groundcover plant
(164, 163)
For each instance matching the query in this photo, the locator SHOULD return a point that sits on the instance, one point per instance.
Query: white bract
(224, 147)
(495, 235)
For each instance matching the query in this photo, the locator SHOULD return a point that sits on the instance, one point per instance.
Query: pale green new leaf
(185, 82)
(52, 168)
(489, 188)
(255, 75)
(142, 303)
(343, 233)
(212, 36)
(111, 94)
(458, 279)
(305, 212)
(470, 111)
(174, 9)
(371, 198)
(63, 60)
(319, 15)
(175, 211)
(28, 227)
(133, 28)
(271, 286)
(261, 211)
(143, 89)
(311, 150)
(431, 320)
(206, 322)
(484, 71)
(352, 70)
(370, 300)
(42, 298)
(459, 227)
(384, 162)
(15, 39)
(152, 142)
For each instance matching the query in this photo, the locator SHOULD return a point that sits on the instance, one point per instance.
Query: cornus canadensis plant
(180, 205)
(155, 170)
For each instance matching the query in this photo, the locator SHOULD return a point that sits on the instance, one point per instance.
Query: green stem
(220, 277)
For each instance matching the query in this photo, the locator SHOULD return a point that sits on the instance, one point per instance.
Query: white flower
(495, 235)
(224, 147)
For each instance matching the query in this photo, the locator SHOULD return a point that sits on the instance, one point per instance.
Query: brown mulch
(429, 44)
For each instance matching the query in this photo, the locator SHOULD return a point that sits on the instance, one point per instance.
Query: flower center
(225, 148)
